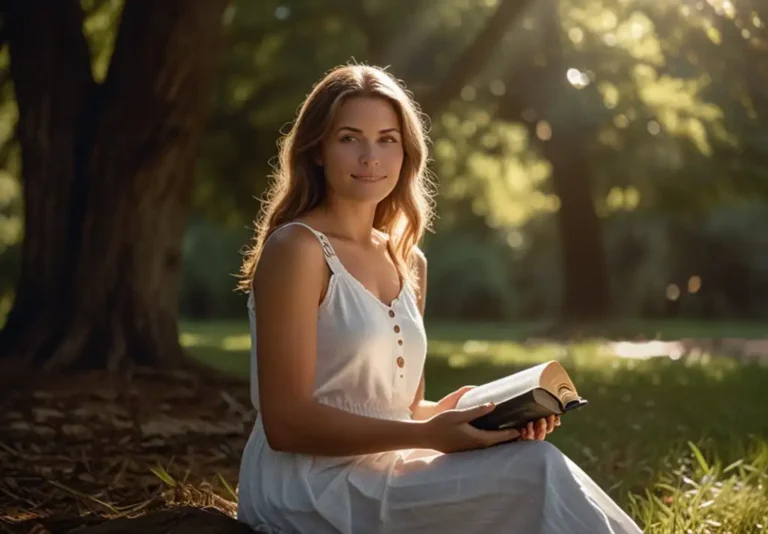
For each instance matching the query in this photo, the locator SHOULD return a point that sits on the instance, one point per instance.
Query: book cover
(528, 395)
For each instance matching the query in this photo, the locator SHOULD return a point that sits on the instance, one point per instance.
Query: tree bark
(586, 286)
(107, 172)
(50, 68)
(585, 282)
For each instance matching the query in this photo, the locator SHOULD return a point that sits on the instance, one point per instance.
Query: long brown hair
(298, 184)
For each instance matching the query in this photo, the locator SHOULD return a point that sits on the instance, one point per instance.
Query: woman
(344, 440)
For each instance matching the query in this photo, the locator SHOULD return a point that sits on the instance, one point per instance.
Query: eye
(389, 139)
(345, 138)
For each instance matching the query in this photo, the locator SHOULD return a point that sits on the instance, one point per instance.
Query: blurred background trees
(595, 158)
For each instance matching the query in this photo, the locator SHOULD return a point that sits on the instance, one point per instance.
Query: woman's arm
(288, 285)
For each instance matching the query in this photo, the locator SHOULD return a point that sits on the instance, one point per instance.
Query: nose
(368, 156)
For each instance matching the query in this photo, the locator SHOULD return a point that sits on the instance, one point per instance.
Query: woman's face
(363, 154)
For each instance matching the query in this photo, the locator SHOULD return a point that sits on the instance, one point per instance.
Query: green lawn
(663, 431)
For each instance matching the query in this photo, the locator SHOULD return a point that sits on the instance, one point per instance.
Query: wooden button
(400, 362)
(397, 329)
(399, 341)
(391, 313)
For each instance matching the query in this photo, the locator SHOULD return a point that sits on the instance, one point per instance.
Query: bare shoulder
(294, 239)
(292, 252)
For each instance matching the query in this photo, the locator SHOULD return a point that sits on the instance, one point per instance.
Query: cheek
(394, 157)
(340, 159)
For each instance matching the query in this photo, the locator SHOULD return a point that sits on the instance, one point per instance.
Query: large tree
(107, 169)
(539, 95)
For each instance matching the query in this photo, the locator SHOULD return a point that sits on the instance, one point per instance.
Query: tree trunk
(586, 293)
(538, 87)
(107, 172)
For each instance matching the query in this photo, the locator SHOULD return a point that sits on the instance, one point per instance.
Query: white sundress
(370, 357)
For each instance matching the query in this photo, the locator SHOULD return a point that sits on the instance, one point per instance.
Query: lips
(367, 178)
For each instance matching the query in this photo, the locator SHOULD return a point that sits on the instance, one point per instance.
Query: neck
(353, 220)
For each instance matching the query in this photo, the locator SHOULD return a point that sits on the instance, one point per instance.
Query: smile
(368, 178)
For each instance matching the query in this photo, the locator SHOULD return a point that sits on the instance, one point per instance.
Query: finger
(557, 420)
(541, 431)
(454, 396)
(550, 424)
(488, 438)
(529, 431)
(506, 435)
(469, 414)
(462, 390)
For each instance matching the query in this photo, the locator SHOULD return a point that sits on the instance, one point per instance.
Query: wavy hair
(298, 183)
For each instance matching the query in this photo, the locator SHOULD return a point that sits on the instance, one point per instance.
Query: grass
(681, 444)
(694, 496)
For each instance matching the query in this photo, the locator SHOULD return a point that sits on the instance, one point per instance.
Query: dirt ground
(91, 445)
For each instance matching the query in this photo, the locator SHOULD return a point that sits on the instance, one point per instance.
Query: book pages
(503, 389)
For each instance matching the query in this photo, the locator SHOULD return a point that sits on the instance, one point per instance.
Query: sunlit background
(648, 114)
(603, 200)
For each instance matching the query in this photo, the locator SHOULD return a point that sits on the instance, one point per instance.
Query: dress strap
(330, 255)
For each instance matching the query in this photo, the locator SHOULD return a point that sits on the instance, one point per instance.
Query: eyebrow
(358, 130)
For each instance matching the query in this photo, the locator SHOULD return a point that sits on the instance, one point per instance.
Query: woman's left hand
(449, 401)
(538, 430)
(535, 430)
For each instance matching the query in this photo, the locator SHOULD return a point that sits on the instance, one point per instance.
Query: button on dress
(370, 357)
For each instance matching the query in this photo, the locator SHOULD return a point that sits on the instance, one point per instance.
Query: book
(525, 396)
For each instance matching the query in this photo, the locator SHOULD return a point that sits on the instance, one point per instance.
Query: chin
(373, 197)
(373, 192)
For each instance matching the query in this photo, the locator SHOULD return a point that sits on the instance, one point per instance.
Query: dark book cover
(518, 411)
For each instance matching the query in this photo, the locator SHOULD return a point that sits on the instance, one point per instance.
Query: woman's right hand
(450, 431)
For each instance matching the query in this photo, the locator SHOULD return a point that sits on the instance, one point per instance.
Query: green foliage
(276, 50)
(470, 280)
(664, 97)
(11, 229)
(102, 18)
(512, 274)
(211, 265)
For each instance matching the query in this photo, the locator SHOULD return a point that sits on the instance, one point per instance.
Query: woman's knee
(543, 455)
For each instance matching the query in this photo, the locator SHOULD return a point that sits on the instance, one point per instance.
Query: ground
(113, 448)
(676, 430)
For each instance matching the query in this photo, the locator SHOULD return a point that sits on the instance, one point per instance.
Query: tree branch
(474, 57)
